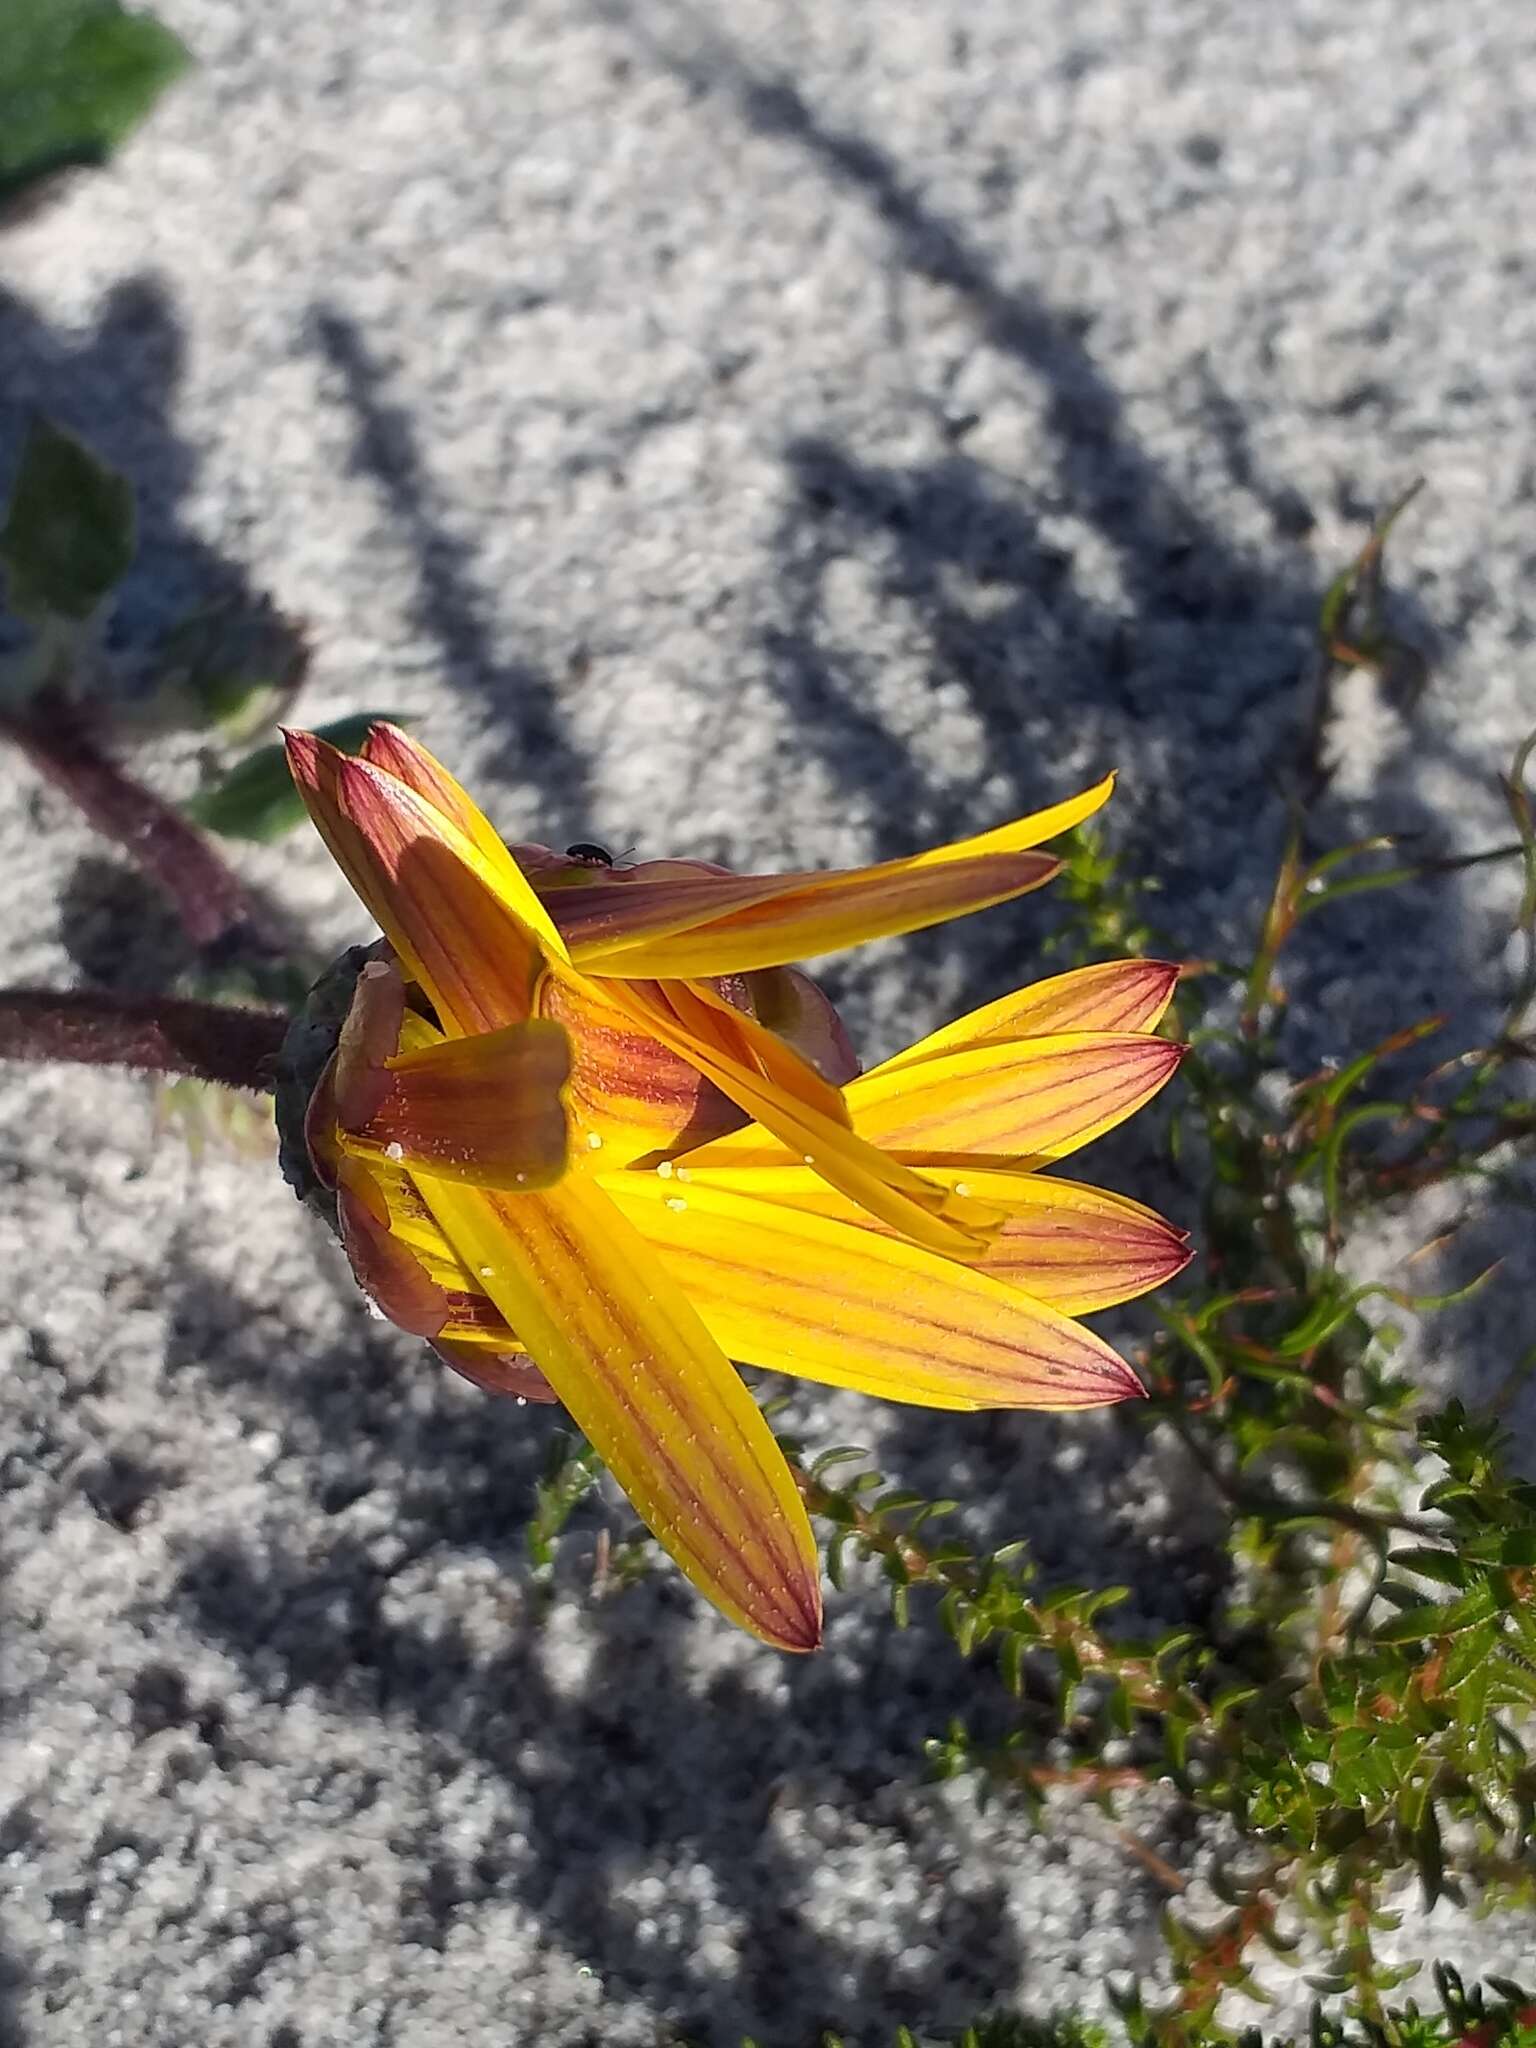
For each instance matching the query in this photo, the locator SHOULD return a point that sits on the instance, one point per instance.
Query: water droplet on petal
(594, 1142)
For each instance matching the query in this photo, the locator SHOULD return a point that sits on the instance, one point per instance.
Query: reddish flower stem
(210, 899)
(156, 1034)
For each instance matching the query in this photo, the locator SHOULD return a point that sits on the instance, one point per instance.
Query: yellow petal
(1114, 995)
(1075, 1248)
(484, 1109)
(651, 1389)
(717, 1029)
(668, 928)
(829, 1301)
(604, 911)
(628, 1091)
(920, 1209)
(1035, 1098)
(1031, 830)
(1024, 1099)
(412, 1222)
(798, 916)
(1078, 1248)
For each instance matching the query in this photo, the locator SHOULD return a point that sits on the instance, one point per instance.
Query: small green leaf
(1430, 1856)
(76, 77)
(1012, 1660)
(1229, 1699)
(839, 1454)
(68, 535)
(1443, 1565)
(1467, 1656)
(257, 799)
(1415, 1624)
(961, 1622)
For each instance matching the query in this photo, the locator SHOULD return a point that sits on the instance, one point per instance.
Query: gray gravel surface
(778, 434)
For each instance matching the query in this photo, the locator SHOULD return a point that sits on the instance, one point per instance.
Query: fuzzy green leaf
(76, 77)
(68, 536)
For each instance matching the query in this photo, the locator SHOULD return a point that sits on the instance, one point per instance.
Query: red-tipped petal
(1023, 1099)
(1035, 1098)
(829, 1301)
(370, 1035)
(1113, 995)
(426, 884)
(1075, 1248)
(1079, 1248)
(408, 761)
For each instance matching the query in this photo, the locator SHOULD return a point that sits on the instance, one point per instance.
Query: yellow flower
(591, 1136)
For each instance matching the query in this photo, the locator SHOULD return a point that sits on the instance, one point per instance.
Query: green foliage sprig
(1356, 1710)
(1498, 2013)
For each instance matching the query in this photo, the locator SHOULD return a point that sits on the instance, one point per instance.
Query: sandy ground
(790, 441)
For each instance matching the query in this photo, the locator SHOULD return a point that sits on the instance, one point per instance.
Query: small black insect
(589, 855)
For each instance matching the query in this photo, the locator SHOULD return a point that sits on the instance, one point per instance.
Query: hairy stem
(156, 1034)
(210, 899)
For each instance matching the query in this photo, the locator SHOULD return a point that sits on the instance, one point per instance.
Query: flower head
(590, 1133)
